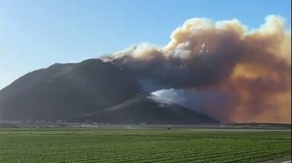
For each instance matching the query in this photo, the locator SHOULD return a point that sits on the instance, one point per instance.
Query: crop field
(141, 146)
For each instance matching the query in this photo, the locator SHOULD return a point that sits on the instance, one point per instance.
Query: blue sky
(37, 33)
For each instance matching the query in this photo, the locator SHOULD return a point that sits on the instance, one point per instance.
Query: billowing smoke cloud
(221, 68)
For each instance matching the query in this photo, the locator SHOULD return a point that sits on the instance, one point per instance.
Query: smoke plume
(223, 69)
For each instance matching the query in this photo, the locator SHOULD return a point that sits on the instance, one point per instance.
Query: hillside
(145, 110)
(90, 90)
(66, 89)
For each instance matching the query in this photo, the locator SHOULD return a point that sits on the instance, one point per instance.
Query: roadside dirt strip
(281, 160)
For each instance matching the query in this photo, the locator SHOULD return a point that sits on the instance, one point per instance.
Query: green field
(84, 145)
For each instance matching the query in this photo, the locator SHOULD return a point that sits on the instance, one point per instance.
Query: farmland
(137, 145)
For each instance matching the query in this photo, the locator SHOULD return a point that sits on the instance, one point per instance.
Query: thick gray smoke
(221, 68)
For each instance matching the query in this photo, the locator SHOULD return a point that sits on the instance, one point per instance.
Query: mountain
(90, 90)
(66, 89)
(147, 110)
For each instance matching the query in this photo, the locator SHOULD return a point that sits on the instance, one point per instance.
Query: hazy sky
(37, 33)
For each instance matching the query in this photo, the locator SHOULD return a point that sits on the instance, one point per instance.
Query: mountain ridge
(90, 86)
(144, 109)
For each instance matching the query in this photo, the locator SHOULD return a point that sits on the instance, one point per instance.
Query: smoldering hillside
(229, 71)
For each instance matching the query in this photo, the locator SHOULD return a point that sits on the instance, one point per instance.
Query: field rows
(142, 146)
